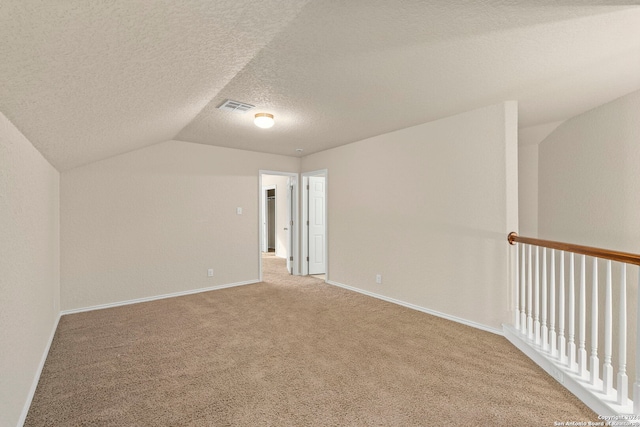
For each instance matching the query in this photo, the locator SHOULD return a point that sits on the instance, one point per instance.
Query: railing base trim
(592, 397)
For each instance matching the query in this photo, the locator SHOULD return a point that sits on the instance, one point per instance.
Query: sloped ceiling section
(361, 68)
(87, 80)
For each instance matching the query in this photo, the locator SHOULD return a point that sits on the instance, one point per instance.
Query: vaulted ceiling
(86, 80)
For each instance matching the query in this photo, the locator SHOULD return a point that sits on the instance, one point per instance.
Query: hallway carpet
(290, 351)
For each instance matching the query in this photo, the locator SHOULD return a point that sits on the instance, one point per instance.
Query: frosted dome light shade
(264, 120)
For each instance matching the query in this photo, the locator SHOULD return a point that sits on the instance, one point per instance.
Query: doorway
(269, 220)
(278, 220)
(314, 220)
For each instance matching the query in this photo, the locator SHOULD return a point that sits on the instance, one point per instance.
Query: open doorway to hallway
(314, 220)
(278, 218)
(270, 222)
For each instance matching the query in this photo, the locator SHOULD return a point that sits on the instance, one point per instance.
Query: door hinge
(291, 222)
(307, 259)
(307, 186)
(307, 222)
(291, 258)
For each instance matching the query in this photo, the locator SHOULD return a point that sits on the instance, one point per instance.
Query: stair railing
(547, 327)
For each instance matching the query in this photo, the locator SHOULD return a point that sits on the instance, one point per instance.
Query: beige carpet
(290, 351)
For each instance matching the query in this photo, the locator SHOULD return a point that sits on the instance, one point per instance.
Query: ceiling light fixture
(264, 120)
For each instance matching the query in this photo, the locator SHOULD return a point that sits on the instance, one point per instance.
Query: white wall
(429, 208)
(282, 236)
(589, 176)
(152, 221)
(29, 267)
(528, 140)
(528, 190)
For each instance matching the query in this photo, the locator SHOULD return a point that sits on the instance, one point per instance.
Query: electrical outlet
(210, 272)
(378, 278)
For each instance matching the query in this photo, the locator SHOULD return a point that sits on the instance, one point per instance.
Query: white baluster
(552, 304)
(636, 384)
(623, 381)
(523, 285)
(562, 343)
(582, 323)
(594, 361)
(529, 298)
(536, 317)
(544, 331)
(571, 344)
(607, 368)
(516, 285)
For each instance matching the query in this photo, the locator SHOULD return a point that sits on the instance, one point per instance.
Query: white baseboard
(157, 297)
(36, 377)
(418, 308)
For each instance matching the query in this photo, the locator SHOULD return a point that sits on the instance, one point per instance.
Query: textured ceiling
(88, 80)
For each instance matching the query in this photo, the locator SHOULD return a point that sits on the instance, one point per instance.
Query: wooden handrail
(629, 258)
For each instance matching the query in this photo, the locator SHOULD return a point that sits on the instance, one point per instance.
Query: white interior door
(289, 228)
(317, 225)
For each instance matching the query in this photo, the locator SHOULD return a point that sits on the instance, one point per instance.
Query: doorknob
(286, 228)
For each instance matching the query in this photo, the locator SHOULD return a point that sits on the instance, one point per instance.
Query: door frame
(292, 249)
(304, 227)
